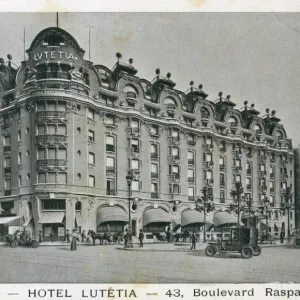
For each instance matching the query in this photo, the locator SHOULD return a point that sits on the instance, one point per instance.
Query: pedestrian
(40, 236)
(51, 235)
(141, 238)
(168, 234)
(75, 238)
(126, 238)
(281, 236)
(193, 240)
(68, 236)
(83, 236)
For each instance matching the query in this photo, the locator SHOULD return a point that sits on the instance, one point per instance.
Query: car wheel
(247, 252)
(257, 251)
(297, 243)
(210, 250)
(34, 244)
(13, 244)
(121, 241)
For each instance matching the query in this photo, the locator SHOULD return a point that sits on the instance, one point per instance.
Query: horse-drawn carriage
(182, 236)
(107, 238)
(19, 238)
(161, 238)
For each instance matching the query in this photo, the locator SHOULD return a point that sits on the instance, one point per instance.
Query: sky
(250, 56)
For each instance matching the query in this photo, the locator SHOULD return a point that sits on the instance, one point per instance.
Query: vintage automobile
(20, 239)
(296, 241)
(239, 240)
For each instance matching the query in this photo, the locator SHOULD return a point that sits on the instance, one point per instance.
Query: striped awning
(255, 214)
(111, 214)
(78, 218)
(12, 221)
(52, 217)
(155, 215)
(224, 218)
(189, 217)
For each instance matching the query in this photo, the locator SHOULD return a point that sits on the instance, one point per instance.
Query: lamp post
(205, 203)
(266, 203)
(129, 179)
(236, 195)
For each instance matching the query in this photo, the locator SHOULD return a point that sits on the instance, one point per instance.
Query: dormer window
(257, 129)
(53, 40)
(232, 122)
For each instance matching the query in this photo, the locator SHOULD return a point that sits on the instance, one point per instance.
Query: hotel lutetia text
(174, 293)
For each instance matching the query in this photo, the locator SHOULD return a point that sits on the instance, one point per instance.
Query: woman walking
(74, 240)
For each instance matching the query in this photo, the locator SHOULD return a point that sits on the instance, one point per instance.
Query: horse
(105, 237)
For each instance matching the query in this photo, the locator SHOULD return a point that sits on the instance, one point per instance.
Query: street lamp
(266, 203)
(129, 179)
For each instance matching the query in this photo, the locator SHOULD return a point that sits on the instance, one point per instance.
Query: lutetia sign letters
(53, 55)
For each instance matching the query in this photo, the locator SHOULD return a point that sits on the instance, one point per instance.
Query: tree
(205, 204)
(286, 205)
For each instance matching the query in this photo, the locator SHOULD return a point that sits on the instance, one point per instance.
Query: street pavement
(155, 263)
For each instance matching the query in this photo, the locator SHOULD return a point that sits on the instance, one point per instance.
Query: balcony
(134, 131)
(154, 155)
(51, 115)
(154, 195)
(284, 177)
(111, 192)
(190, 161)
(208, 164)
(175, 177)
(208, 147)
(51, 162)
(237, 168)
(110, 170)
(191, 179)
(110, 148)
(60, 75)
(135, 149)
(7, 148)
(174, 140)
(154, 175)
(51, 139)
(131, 98)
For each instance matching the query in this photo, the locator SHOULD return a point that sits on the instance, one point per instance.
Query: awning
(155, 215)
(78, 218)
(12, 221)
(52, 217)
(255, 214)
(224, 218)
(209, 226)
(192, 217)
(26, 223)
(111, 214)
(175, 225)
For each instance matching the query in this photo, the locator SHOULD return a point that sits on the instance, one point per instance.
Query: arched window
(232, 122)
(130, 91)
(170, 102)
(257, 129)
(279, 135)
(78, 205)
(204, 113)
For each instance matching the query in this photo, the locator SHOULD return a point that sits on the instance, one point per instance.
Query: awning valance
(155, 215)
(224, 218)
(111, 214)
(175, 225)
(255, 214)
(78, 218)
(12, 221)
(52, 217)
(192, 217)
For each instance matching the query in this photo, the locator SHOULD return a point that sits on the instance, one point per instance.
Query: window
(19, 135)
(262, 167)
(91, 158)
(41, 129)
(191, 138)
(207, 157)
(51, 177)
(62, 154)
(271, 170)
(208, 141)
(283, 185)
(232, 122)
(78, 206)
(135, 164)
(54, 204)
(208, 175)
(176, 189)
(175, 133)
(175, 152)
(190, 156)
(175, 170)
(41, 177)
(7, 206)
(7, 162)
(134, 124)
(110, 187)
(7, 184)
(110, 120)
(154, 130)
(135, 145)
(204, 113)
(222, 196)
(154, 168)
(110, 162)
(135, 185)
(221, 161)
(7, 140)
(51, 153)
(110, 143)
(153, 148)
(20, 180)
(271, 184)
(154, 187)
(62, 178)
(19, 158)
(191, 173)
(237, 162)
(91, 114)
(151, 111)
(237, 178)
(91, 136)
(91, 181)
(222, 179)
(51, 129)
(191, 192)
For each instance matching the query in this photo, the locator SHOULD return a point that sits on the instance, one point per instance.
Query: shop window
(7, 207)
(54, 204)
